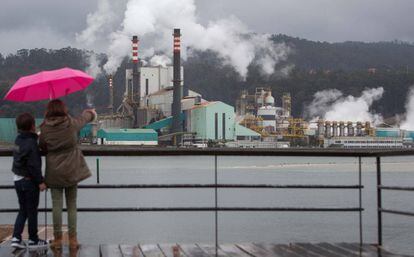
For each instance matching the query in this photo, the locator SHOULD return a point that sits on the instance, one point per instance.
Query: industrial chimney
(136, 91)
(176, 105)
(111, 95)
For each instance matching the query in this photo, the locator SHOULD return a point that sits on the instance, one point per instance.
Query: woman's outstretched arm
(86, 117)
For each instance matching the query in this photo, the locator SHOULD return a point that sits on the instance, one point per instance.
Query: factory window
(216, 125)
(224, 126)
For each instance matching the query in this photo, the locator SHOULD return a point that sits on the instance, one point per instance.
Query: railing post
(97, 170)
(216, 203)
(46, 214)
(379, 201)
(360, 200)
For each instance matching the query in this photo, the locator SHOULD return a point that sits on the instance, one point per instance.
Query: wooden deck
(205, 250)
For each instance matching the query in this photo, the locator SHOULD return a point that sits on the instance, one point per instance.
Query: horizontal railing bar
(159, 151)
(405, 213)
(202, 209)
(155, 186)
(396, 188)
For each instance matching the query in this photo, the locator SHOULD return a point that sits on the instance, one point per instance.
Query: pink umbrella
(48, 85)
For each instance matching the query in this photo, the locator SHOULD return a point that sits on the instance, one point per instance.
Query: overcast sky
(54, 23)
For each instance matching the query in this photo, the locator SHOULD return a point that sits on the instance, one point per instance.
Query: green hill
(317, 66)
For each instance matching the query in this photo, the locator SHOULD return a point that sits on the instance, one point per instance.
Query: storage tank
(341, 129)
(388, 132)
(335, 128)
(350, 129)
(321, 128)
(328, 129)
(359, 129)
(269, 99)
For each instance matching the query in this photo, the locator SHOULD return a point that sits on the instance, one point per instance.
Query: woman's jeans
(28, 195)
(57, 201)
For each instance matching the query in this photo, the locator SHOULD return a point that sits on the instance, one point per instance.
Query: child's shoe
(17, 243)
(39, 244)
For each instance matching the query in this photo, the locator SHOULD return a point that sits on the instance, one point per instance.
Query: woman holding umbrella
(65, 164)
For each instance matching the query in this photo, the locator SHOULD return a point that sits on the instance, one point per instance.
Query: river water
(275, 227)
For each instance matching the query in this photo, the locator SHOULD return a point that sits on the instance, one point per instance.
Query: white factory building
(152, 79)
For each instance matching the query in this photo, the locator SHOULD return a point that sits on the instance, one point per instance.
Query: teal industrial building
(216, 121)
(127, 137)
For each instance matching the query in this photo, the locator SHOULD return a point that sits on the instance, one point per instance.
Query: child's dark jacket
(27, 161)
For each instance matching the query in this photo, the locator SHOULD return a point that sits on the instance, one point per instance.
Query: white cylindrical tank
(334, 128)
(268, 115)
(341, 129)
(269, 99)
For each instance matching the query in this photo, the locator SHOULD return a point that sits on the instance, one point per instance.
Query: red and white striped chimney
(135, 49)
(177, 42)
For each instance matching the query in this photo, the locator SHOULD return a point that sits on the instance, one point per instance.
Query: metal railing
(134, 151)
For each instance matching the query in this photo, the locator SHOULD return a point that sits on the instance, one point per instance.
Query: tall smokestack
(111, 95)
(176, 105)
(136, 92)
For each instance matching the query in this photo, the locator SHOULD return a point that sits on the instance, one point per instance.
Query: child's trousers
(28, 195)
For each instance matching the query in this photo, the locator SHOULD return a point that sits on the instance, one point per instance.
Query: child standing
(28, 181)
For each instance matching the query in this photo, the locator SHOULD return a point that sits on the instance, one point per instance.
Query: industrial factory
(158, 108)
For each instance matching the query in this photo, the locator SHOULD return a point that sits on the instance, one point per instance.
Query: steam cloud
(408, 123)
(153, 22)
(333, 105)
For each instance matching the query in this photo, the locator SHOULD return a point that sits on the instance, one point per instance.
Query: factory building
(127, 137)
(162, 100)
(216, 121)
(213, 121)
(8, 129)
(152, 80)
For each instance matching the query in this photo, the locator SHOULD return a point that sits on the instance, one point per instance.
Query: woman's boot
(56, 243)
(73, 242)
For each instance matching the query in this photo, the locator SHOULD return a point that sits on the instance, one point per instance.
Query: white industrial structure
(364, 142)
(152, 79)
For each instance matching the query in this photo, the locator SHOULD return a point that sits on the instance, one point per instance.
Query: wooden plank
(151, 250)
(89, 251)
(211, 250)
(287, 250)
(192, 250)
(7, 251)
(64, 252)
(318, 250)
(345, 252)
(233, 251)
(130, 251)
(366, 248)
(255, 250)
(167, 250)
(110, 251)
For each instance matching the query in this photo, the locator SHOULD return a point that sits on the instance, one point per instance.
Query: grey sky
(54, 23)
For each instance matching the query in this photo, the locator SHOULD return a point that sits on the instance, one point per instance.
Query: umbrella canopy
(47, 85)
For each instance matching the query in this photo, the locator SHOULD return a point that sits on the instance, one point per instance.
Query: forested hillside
(349, 67)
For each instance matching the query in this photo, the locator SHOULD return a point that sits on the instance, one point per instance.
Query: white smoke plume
(153, 21)
(332, 105)
(98, 24)
(93, 68)
(408, 123)
(160, 60)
